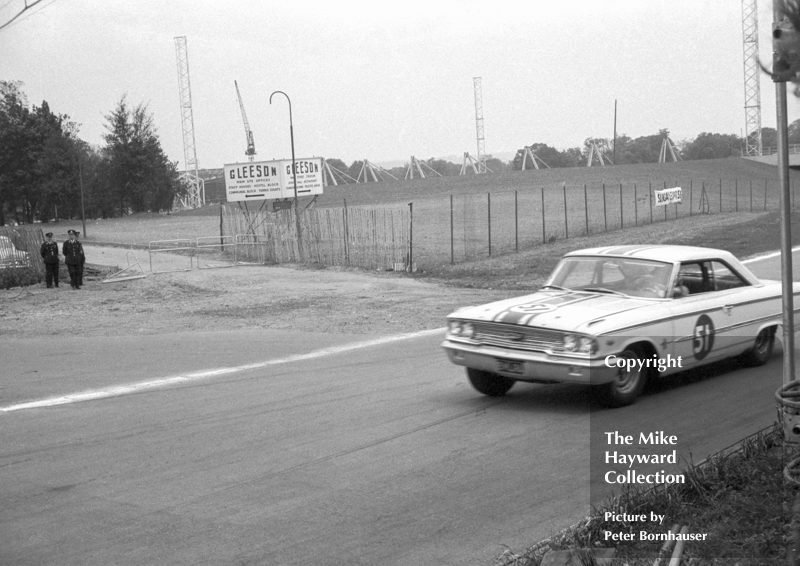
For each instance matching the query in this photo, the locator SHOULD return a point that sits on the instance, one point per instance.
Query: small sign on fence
(668, 196)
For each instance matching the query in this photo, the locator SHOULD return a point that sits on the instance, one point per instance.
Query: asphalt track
(272, 448)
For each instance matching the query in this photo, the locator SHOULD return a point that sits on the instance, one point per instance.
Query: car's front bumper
(537, 367)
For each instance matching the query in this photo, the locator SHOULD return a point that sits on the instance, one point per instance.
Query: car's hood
(558, 310)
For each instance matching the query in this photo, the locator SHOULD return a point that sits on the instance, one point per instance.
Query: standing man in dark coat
(49, 254)
(74, 258)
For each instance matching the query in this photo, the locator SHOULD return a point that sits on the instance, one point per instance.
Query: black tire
(627, 386)
(762, 349)
(489, 383)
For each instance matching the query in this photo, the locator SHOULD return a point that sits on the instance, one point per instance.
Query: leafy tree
(16, 141)
(713, 146)
(644, 149)
(337, 164)
(549, 155)
(495, 165)
(444, 168)
(603, 144)
(794, 133)
(355, 169)
(38, 157)
(769, 137)
(141, 176)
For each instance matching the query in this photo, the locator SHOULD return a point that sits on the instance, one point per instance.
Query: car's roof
(659, 253)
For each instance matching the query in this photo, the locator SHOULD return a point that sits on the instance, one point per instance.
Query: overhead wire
(27, 7)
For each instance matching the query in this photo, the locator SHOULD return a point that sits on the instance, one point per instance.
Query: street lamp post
(294, 175)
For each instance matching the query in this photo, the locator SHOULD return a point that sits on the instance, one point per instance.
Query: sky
(385, 81)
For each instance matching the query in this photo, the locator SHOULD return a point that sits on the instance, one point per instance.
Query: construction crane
(251, 145)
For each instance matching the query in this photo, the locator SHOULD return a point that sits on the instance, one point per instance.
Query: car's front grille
(518, 337)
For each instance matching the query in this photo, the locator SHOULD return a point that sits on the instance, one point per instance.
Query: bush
(18, 277)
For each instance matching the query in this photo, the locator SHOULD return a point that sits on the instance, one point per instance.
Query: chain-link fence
(461, 228)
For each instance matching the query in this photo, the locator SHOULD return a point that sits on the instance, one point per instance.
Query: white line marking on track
(117, 390)
(767, 256)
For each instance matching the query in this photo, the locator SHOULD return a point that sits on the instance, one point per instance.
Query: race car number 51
(703, 340)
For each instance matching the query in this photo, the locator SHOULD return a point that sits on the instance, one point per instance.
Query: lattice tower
(195, 197)
(476, 81)
(752, 88)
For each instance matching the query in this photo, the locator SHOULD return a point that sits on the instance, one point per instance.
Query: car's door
(745, 307)
(713, 320)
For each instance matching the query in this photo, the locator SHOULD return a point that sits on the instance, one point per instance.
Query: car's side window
(694, 278)
(725, 278)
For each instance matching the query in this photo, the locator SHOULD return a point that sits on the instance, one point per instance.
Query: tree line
(643, 149)
(45, 167)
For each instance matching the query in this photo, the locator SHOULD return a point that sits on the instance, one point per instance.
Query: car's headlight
(587, 345)
(461, 328)
(582, 344)
(454, 327)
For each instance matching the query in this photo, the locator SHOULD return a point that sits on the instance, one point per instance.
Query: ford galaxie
(613, 317)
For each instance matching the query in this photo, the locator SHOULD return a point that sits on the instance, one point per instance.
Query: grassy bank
(738, 497)
(743, 234)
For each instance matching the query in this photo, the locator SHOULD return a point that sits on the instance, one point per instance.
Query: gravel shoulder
(292, 298)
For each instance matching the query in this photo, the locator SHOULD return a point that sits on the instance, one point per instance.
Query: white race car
(613, 317)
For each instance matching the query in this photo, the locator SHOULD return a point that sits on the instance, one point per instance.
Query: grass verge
(11, 277)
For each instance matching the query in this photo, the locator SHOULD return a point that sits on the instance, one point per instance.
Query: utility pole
(83, 209)
(781, 31)
(614, 151)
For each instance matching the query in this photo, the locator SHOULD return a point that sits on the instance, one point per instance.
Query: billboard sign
(309, 177)
(668, 196)
(253, 181)
(265, 180)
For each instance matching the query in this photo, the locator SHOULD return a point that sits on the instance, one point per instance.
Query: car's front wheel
(762, 349)
(489, 383)
(627, 385)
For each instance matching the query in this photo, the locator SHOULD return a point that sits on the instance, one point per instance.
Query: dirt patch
(341, 300)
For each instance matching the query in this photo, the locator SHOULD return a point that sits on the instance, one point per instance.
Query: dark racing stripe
(521, 314)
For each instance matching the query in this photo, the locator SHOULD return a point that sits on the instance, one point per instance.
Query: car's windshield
(634, 277)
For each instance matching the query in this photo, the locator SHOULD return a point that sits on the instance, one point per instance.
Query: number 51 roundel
(703, 340)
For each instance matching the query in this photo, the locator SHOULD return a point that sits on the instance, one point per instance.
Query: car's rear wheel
(489, 383)
(762, 349)
(627, 385)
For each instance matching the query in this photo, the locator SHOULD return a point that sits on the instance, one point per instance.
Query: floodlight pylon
(752, 81)
(481, 165)
(195, 194)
